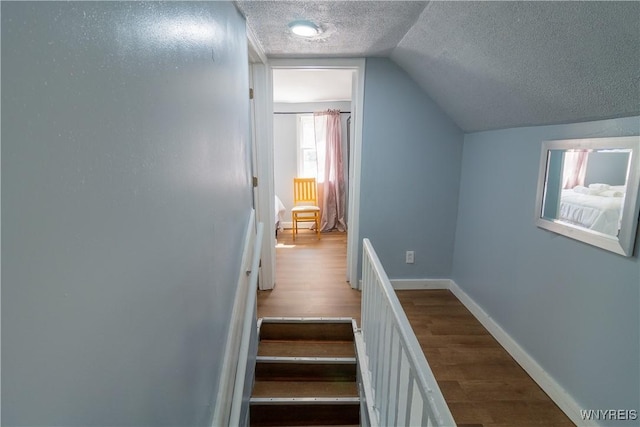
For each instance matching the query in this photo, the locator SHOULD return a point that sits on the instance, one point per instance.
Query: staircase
(305, 373)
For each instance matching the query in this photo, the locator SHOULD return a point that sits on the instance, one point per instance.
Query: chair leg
(294, 225)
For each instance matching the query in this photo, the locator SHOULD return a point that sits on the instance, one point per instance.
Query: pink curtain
(331, 170)
(574, 169)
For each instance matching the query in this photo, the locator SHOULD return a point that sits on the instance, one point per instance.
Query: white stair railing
(231, 403)
(398, 385)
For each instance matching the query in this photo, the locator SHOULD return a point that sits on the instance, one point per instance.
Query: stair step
(305, 389)
(309, 329)
(305, 368)
(301, 348)
(304, 411)
(305, 373)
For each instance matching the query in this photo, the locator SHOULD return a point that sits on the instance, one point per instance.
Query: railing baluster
(376, 339)
(403, 389)
(373, 336)
(386, 362)
(400, 385)
(427, 416)
(415, 417)
(394, 379)
(379, 370)
(366, 297)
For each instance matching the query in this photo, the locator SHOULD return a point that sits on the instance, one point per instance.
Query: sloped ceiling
(489, 65)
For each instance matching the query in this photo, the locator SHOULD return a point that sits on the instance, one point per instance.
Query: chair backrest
(305, 191)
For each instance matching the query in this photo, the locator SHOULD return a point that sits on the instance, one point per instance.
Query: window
(310, 154)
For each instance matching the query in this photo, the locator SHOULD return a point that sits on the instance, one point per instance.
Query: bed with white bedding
(279, 213)
(596, 207)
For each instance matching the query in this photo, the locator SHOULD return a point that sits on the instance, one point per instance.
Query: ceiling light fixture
(304, 28)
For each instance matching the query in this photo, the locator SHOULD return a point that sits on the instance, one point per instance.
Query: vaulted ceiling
(489, 65)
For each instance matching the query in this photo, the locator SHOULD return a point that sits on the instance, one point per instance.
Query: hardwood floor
(483, 385)
(310, 278)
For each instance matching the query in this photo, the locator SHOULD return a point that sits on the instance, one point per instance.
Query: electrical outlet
(409, 256)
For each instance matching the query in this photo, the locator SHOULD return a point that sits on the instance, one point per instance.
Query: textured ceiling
(352, 28)
(489, 65)
(504, 64)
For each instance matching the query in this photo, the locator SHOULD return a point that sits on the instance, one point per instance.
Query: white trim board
(357, 105)
(263, 147)
(415, 284)
(555, 391)
(289, 225)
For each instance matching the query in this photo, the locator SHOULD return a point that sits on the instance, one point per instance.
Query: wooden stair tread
(299, 348)
(305, 389)
(315, 371)
(309, 330)
(305, 373)
(299, 414)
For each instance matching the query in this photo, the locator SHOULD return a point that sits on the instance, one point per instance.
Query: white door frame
(262, 153)
(264, 142)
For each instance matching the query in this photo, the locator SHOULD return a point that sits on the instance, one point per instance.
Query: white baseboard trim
(555, 391)
(289, 225)
(409, 284)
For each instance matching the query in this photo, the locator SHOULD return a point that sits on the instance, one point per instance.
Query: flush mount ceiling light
(304, 28)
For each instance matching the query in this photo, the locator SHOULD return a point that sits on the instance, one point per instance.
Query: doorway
(300, 137)
(265, 154)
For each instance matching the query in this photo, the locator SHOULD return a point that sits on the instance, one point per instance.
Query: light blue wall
(553, 185)
(572, 306)
(125, 197)
(411, 155)
(608, 168)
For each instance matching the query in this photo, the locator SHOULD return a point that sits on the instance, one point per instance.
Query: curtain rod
(307, 112)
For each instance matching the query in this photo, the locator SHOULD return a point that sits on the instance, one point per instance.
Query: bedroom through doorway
(308, 263)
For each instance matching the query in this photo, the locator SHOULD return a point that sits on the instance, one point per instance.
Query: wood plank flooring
(310, 278)
(483, 385)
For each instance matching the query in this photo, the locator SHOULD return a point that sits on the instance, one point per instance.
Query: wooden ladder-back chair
(305, 204)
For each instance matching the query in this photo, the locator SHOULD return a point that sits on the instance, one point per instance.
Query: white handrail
(403, 390)
(238, 338)
(248, 323)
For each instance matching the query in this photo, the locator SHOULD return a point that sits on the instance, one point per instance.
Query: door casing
(263, 90)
